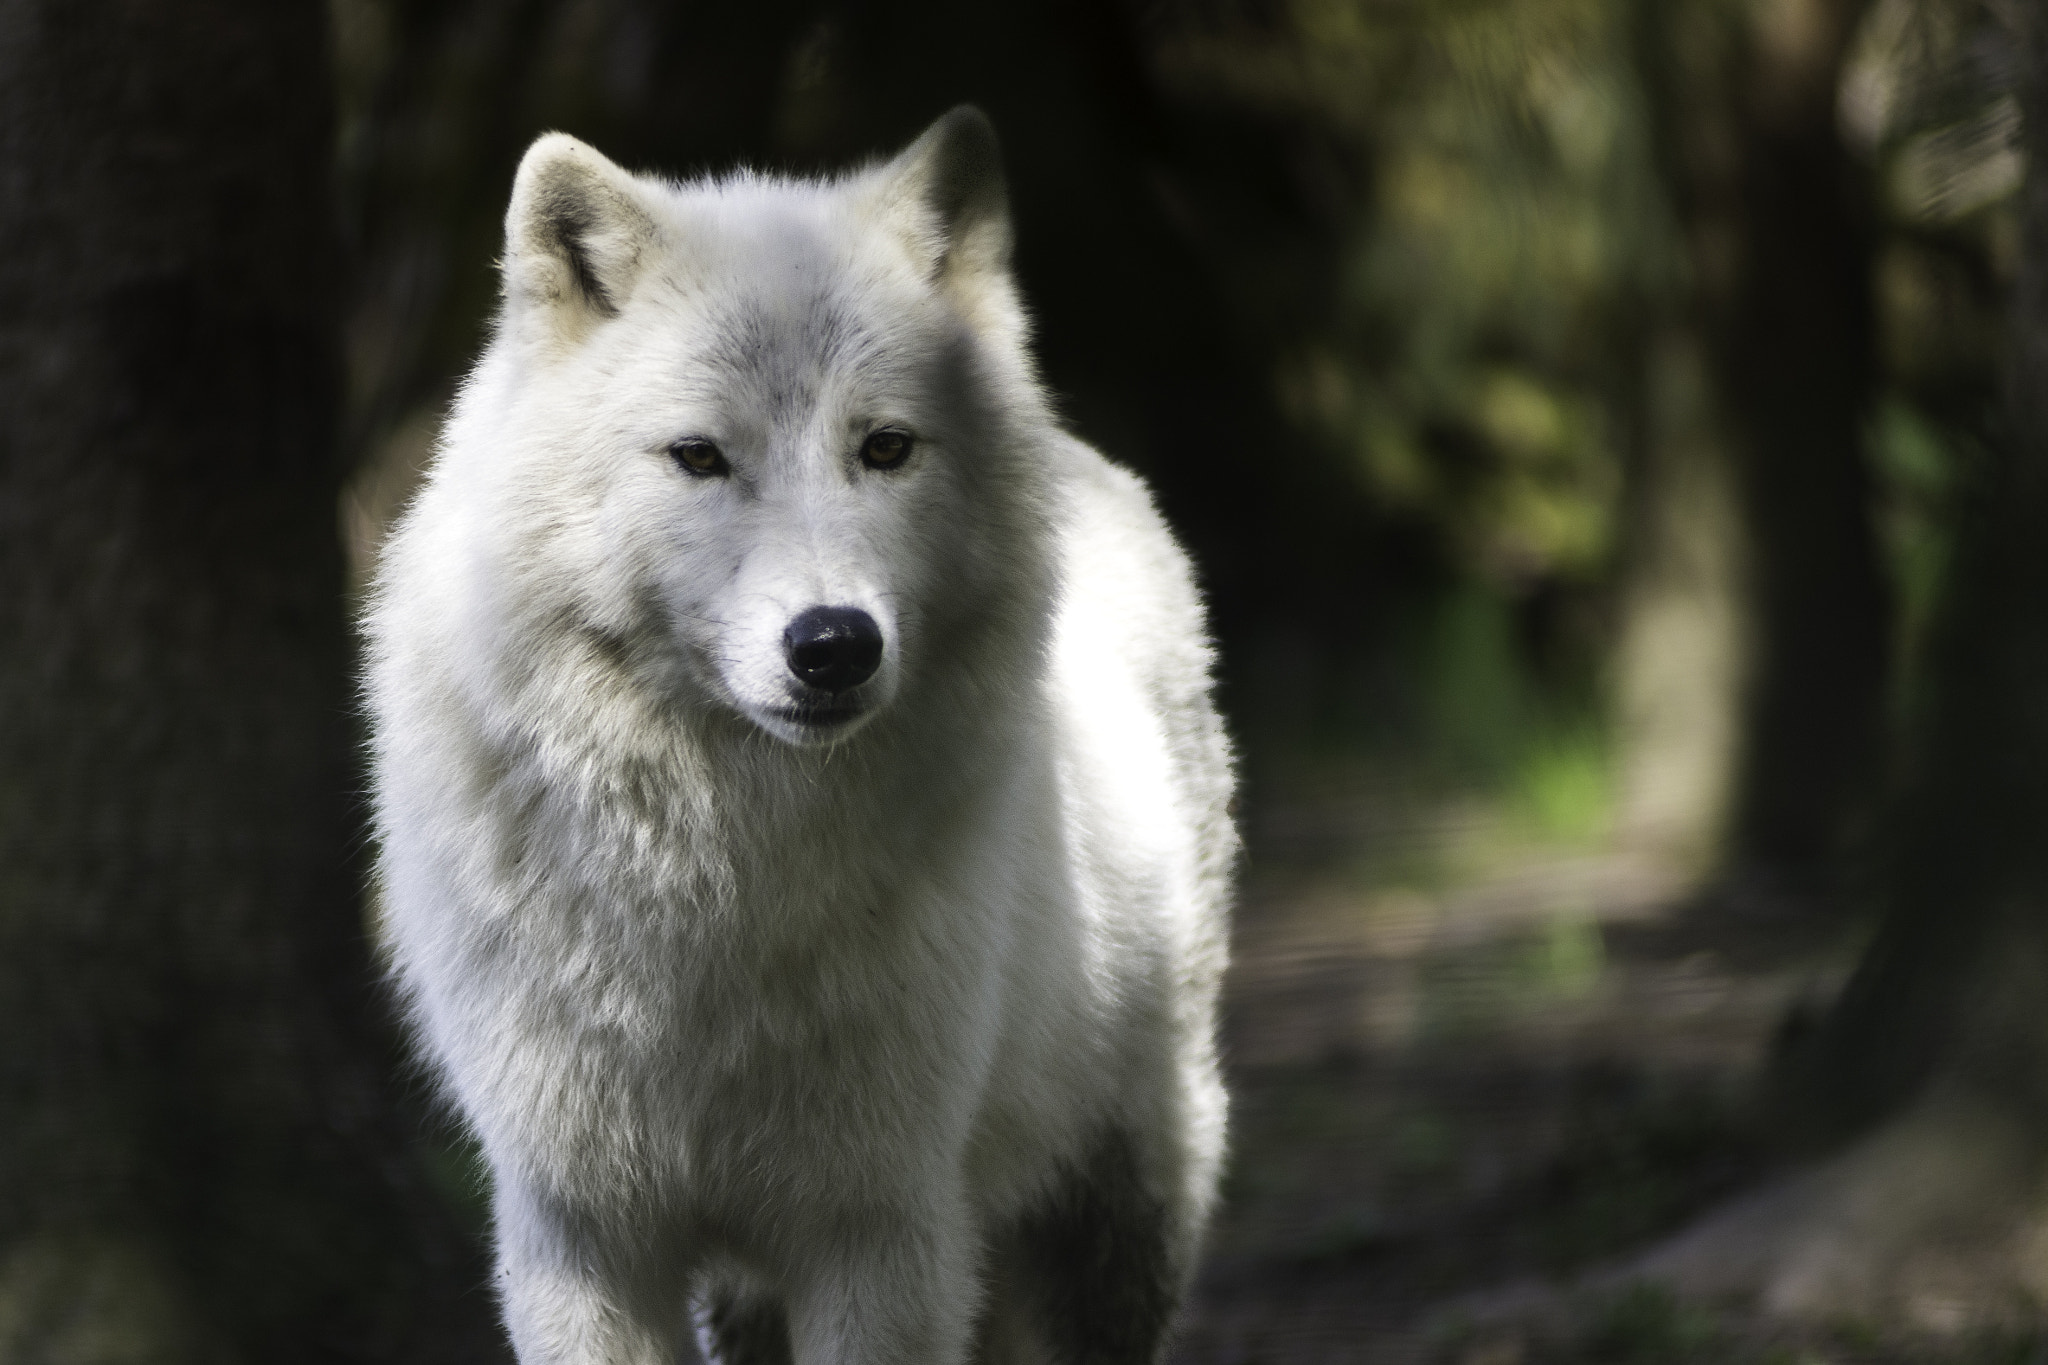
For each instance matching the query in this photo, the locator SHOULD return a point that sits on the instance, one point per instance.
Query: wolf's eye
(698, 456)
(885, 449)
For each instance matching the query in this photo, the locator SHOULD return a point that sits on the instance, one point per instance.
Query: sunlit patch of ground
(1471, 1058)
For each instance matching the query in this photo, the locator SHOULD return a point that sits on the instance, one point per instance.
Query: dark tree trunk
(199, 1157)
(1956, 982)
(1776, 212)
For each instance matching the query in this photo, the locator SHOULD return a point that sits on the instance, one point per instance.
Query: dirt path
(1464, 1061)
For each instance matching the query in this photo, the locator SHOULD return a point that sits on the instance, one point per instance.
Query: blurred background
(1614, 438)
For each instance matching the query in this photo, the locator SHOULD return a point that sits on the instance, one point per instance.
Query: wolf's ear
(944, 194)
(576, 235)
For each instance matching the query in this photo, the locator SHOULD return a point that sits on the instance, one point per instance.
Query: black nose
(833, 648)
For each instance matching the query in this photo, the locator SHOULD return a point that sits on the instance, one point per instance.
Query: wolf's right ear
(576, 235)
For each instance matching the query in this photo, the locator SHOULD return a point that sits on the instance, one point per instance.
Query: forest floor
(1473, 1073)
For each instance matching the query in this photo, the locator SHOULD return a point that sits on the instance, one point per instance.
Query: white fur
(731, 999)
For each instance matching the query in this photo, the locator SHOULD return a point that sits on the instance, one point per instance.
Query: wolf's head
(774, 444)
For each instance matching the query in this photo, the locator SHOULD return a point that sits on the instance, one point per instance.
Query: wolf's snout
(833, 648)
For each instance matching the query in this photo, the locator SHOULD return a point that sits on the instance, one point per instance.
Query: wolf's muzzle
(833, 648)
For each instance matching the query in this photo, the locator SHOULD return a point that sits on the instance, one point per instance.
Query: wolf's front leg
(886, 1288)
(582, 1291)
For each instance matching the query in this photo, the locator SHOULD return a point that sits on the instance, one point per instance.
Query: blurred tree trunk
(1956, 983)
(199, 1159)
(1781, 245)
(1679, 662)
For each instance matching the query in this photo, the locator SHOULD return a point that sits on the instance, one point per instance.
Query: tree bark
(199, 1155)
(1956, 983)
(1781, 246)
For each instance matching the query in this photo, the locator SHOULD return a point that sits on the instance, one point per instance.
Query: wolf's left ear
(576, 235)
(944, 194)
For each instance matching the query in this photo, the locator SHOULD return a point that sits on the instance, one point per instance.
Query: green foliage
(1563, 783)
(1509, 249)
(1475, 364)
(1490, 718)
(1509, 225)
(1476, 692)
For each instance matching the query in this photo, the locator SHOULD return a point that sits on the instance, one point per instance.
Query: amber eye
(885, 449)
(698, 456)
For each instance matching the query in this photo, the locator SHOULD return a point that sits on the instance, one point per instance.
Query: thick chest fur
(813, 1021)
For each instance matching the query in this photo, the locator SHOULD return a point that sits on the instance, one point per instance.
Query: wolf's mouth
(821, 717)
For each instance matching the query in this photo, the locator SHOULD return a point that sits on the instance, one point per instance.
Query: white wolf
(804, 840)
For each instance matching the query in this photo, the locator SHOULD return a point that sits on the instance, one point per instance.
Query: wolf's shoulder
(1121, 561)
(1130, 605)
(1133, 668)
